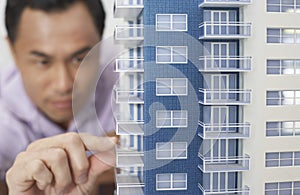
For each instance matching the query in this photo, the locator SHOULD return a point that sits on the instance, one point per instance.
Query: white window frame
(171, 181)
(281, 69)
(277, 187)
(280, 5)
(294, 128)
(290, 97)
(170, 148)
(172, 22)
(171, 119)
(294, 160)
(172, 87)
(172, 54)
(284, 37)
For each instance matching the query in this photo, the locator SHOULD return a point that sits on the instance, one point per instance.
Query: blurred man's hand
(59, 165)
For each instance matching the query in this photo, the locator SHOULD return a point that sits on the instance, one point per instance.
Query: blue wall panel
(154, 103)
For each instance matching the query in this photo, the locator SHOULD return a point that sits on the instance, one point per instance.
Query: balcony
(129, 65)
(238, 191)
(129, 96)
(222, 164)
(225, 131)
(224, 97)
(129, 35)
(128, 9)
(130, 128)
(129, 158)
(225, 64)
(128, 185)
(224, 3)
(230, 30)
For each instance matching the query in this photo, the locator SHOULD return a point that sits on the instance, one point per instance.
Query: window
(283, 128)
(291, 6)
(171, 86)
(171, 150)
(171, 181)
(277, 98)
(283, 67)
(171, 119)
(282, 159)
(171, 22)
(283, 35)
(286, 187)
(273, 35)
(171, 54)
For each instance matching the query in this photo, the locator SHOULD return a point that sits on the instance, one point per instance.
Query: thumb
(98, 144)
(102, 161)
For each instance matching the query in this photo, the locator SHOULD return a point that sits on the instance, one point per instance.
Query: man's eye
(42, 62)
(77, 60)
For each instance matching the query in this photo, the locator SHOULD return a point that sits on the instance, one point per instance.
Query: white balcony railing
(128, 8)
(128, 185)
(221, 164)
(237, 191)
(129, 96)
(129, 3)
(229, 30)
(225, 64)
(129, 65)
(224, 131)
(224, 97)
(129, 32)
(130, 128)
(129, 158)
(224, 3)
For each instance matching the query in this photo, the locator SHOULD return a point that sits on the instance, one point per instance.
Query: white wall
(5, 57)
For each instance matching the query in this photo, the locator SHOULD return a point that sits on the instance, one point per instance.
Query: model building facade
(208, 97)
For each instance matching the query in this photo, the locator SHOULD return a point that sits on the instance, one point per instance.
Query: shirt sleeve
(13, 139)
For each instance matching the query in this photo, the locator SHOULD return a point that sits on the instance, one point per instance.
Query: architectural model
(209, 97)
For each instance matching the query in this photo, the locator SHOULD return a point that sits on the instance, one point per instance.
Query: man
(48, 40)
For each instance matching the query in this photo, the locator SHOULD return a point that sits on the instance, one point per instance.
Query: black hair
(15, 8)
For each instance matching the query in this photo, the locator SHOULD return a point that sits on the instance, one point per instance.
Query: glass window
(283, 67)
(171, 119)
(273, 128)
(273, 35)
(171, 22)
(163, 22)
(297, 158)
(273, 67)
(273, 6)
(287, 67)
(171, 86)
(273, 98)
(272, 159)
(288, 35)
(171, 150)
(271, 186)
(282, 188)
(282, 159)
(171, 181)
(285, 97)
(286, 159)
(283, 35)
(172, 54)
(283, 128)
(290, 6)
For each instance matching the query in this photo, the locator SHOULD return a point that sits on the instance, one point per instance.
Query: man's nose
(64, 79)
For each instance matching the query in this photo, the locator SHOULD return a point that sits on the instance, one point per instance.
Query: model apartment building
(208, 97)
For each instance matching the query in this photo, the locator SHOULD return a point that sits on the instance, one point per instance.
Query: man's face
(48, 49)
